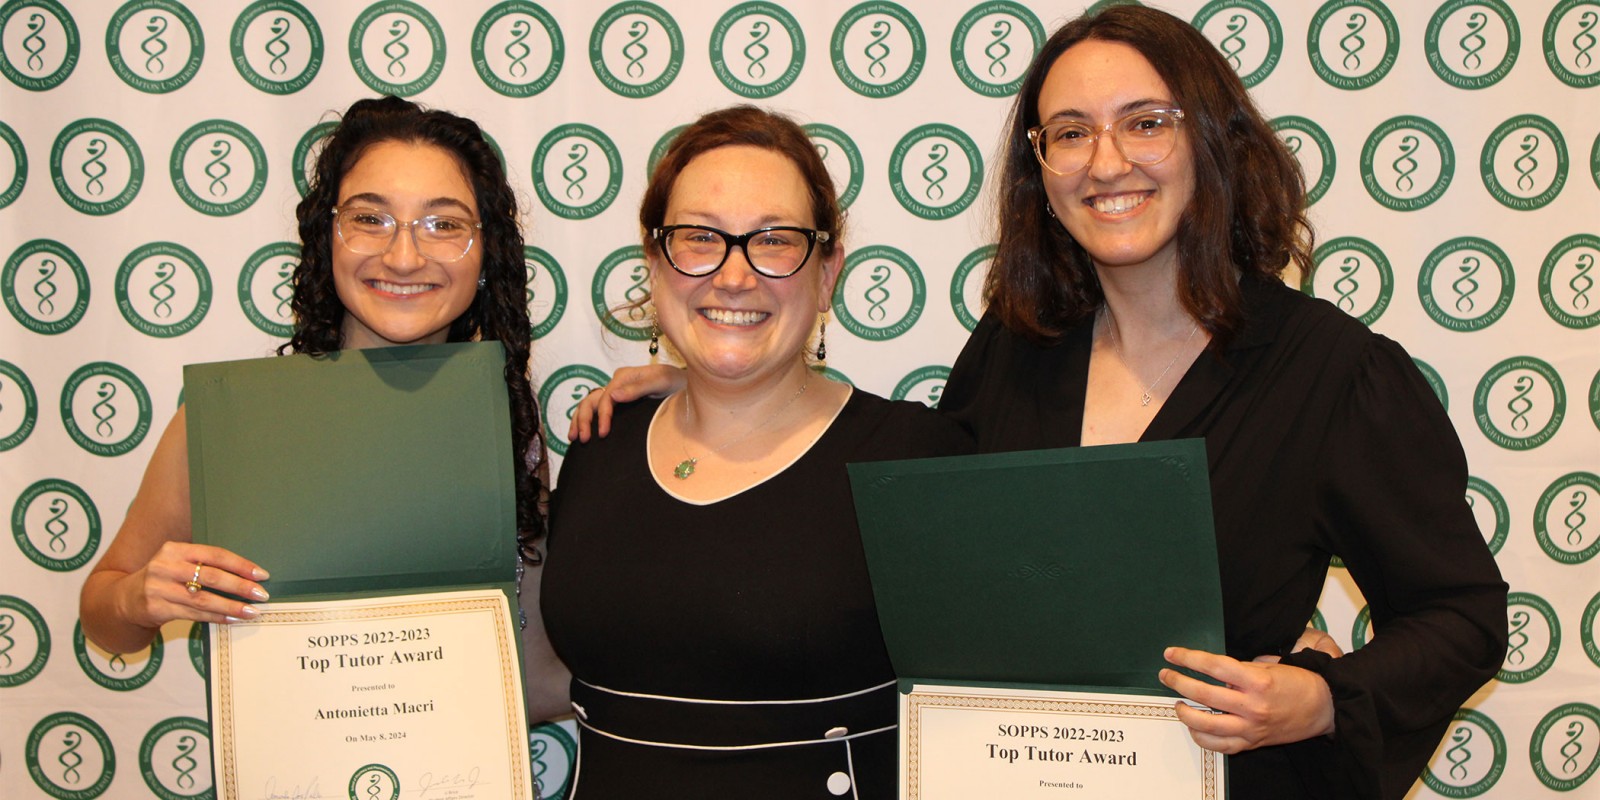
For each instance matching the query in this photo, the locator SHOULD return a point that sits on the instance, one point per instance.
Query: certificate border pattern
(223, 733)
(917, 701)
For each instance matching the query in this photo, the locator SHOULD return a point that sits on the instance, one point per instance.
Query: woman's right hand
(161, 591)
(628, 384)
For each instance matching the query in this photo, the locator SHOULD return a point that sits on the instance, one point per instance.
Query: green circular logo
(155, 46)
(552, 753)
(277, 46)
(56, 525)
(397, 47)
(163, 289)
(197, 649)
(1435, 382)
(1353, 43)
(224, 174)
(547, 290)
(106, 166)
(266, 286)
(119, 672)
(880, 294)
(636, 49)
(40, 41)
(1466, 284)
(175, 759)
(1519, 403)
(1319, 162)
(19, 406)
(966, 286)
(1565, 522)
(1594, 161)
(924, 385)
(1355, 275)
(1318, 621)
(935, 171)
(46, 287)
(878, 49)
(13, 175)
(1489, 510)
(1471, 758)
(577, 171)
(1564, 746)
(1567, 281)
(764, 54)
(1361, 629)
(69, 757)
(374, 782)
(1524, 162)
(1473, 43)
(1571, 34)
(620, 286)
(1594, 399)
(1248, 35)
(517, 48)
(559, 396)
(842, 158)
(835, 375)
(1407, 163)
(659, 151)
(305, 154)
(993, 45)
(24, 641)
(105, 408)
(1534, 638)
(1589, 632)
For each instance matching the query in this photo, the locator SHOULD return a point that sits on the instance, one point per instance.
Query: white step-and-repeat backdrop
(153, 152)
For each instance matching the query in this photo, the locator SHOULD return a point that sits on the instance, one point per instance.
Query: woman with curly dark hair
(409, 235)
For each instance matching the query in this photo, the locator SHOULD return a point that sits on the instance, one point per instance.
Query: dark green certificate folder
(1050, 568)
(385, 470)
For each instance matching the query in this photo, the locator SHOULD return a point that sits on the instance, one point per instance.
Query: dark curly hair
(1247, 216)
(498, 312)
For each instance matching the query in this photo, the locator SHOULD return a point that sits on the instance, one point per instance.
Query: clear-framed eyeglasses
(1143, 137)
(438, 237)
(698, 251)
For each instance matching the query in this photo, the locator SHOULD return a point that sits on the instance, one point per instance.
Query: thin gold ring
(193, 584)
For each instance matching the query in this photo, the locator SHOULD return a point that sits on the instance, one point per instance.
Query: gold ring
(193, 584)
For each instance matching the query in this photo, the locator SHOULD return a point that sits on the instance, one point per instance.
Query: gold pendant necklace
(685, 468)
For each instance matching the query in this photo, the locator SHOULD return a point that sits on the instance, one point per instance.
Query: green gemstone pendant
(684, 469)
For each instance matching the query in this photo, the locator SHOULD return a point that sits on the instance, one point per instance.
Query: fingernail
(249, 612)
(260, 574)
(231, 619)
(259, 593)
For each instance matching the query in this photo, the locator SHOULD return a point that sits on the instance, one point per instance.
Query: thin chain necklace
(1111, 331)
(686, 467)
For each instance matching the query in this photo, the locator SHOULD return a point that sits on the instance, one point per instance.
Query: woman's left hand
(1263, 702)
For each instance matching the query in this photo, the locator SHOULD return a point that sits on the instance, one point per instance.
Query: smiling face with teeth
(736, 324)
(400, 297)
(1122, 214)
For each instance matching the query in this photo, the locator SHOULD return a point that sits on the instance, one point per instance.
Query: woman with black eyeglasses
(706, 583)
(408, 235)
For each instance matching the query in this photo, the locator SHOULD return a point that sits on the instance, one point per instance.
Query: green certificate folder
(1055, 567)
(362, 470)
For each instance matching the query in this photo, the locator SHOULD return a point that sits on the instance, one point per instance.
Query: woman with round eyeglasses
(1147, 213)
(706, 583)
(408, 235)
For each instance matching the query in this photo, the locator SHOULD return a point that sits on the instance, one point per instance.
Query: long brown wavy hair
(498, 312)
(1246, 218)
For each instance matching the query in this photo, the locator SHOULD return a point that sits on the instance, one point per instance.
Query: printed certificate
(970, 741)
(385, 697)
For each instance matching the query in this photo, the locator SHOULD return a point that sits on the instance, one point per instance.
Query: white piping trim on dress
(857, 693)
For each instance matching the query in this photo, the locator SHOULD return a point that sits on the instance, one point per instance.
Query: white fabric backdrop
(149, 172)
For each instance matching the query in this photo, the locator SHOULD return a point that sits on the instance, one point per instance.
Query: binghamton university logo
(577, 171)
(163, 289)
(636, 49)
(992, 46)
(1519, 403)
(757, 49)
(218, 167)
(1353, 274)
(559, 396)
(878, 49)
(518, 49)
(397, 47)
(924, 385)
(1407, 163)
(96, 167)
(40, 42)
(936, 171)
(155, 46)
(1470, 760)
(1472, 44)
(56, 525)
(1311, 145)
(70, 757)
(1466, 284)
(842, 158)
(880, 294)
(45, 286)
(1353, 44)
(277, 46)
(1247, 33)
